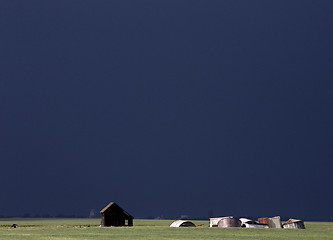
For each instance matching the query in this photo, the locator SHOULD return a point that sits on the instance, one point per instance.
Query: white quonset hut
(182, 223)
(248, 223)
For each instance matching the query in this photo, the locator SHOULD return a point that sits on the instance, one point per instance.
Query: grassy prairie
(84, 229)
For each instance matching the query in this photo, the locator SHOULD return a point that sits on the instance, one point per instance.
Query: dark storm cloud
(166, 107)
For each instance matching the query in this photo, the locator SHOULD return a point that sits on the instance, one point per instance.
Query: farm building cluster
(225, 222)
(266, 222)
(113, 215)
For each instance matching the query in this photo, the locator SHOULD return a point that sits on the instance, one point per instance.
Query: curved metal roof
(182, 223)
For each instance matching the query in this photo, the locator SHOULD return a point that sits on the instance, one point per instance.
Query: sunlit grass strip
(86, 229)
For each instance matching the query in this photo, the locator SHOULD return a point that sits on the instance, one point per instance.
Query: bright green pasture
(84, 229)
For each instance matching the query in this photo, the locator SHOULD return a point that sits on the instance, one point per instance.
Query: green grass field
(70, 229)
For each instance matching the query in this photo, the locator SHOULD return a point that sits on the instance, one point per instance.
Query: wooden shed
(113, 215)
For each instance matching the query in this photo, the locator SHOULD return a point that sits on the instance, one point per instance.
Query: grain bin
(229, 222)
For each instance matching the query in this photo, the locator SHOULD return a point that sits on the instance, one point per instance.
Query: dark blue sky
(167, 107)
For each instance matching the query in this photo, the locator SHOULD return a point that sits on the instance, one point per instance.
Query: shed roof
(114, 205)
(291, 220)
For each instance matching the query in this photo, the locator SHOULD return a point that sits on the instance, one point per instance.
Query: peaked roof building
(113, 215)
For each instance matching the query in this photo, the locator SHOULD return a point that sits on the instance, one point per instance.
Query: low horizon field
(88, 228)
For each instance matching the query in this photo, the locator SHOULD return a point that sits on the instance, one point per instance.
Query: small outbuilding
(294, 223)
(214, 221)
(272, 222)
(182, 223)
(275, 222)
(113, 215)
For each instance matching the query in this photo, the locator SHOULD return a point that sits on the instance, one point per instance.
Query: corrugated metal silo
(229, 222)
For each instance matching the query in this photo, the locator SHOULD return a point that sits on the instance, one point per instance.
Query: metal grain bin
(229, 222)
